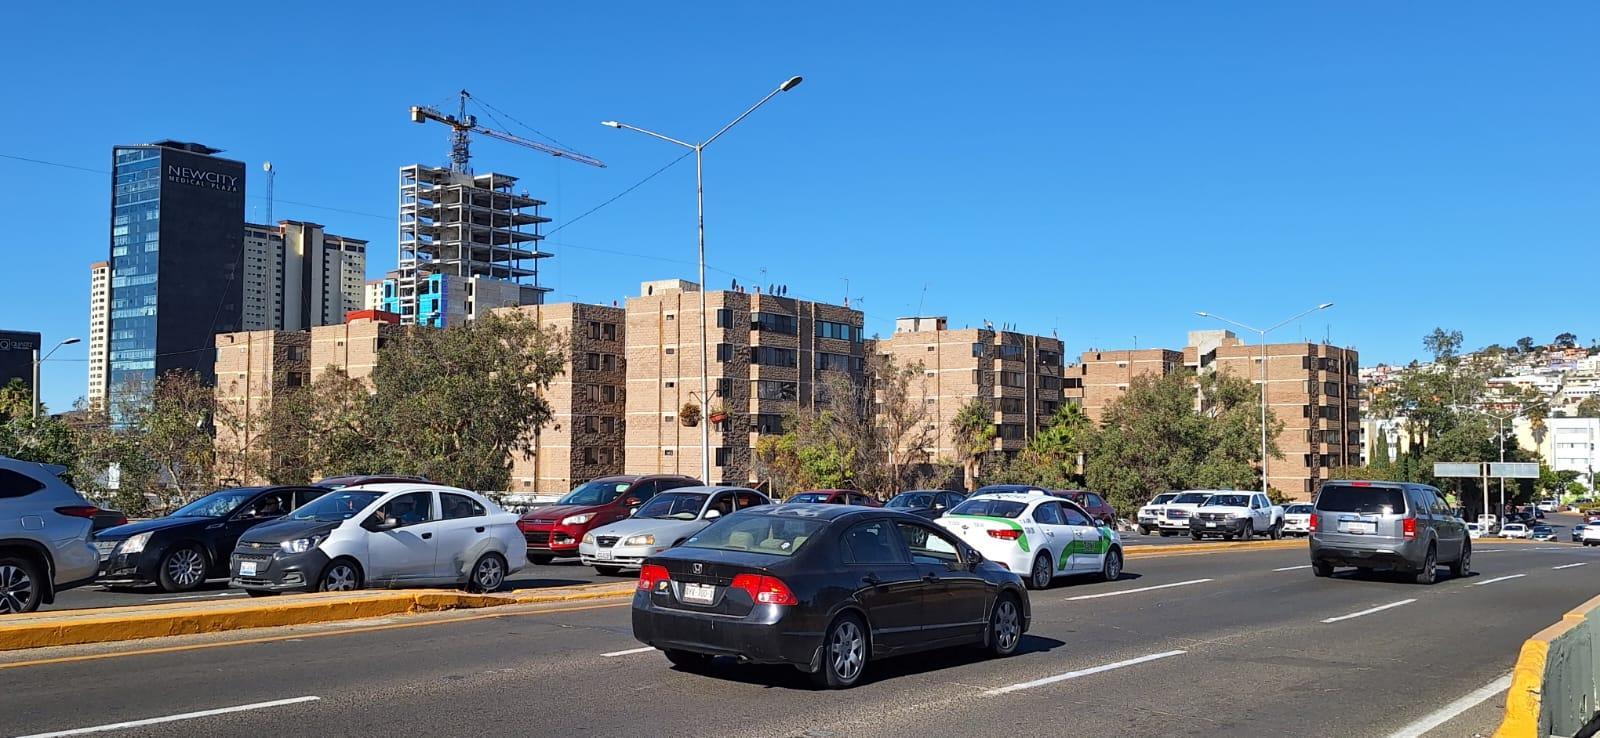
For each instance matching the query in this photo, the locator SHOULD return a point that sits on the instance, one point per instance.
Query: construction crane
(462, 123)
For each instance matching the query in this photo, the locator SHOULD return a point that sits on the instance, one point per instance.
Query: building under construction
(468, 244)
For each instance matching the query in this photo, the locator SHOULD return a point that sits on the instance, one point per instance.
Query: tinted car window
(1047, 514)
(15, 484)
(927, 546)
(813, 497)
(1366, 500)
(859, 500)
(1229, 501)
(1191, 498)
(768, 534)
(722, 503)
(1095, 501)
(1072, 516)
(675, 505)
(215, 505)
(872, 543)
(951, 499)
(921, 499)
(269, 505)
(409, 509)
(459, 506)
(595, 493)
(340, 505)
(990, 508)
(750, 499)
(303, 496)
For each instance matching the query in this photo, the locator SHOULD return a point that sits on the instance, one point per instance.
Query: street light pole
(36, 362)
(1262, 332)
(700, 227)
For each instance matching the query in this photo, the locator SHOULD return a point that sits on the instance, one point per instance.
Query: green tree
(1566, 340)
(973, 432)
(1590, 407)
(173, 430)
(1443, 344)
(16, 401)
(1525, 345)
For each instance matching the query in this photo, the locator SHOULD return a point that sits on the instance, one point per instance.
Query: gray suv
(44, 536)
(1387, 525)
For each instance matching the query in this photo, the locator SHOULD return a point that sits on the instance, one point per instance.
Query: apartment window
(591, 424)
(1010, 351)
(722, 456)
(1330, 437)
(666, 452)
(766, 423)
(608, 393)
(1305, 411)
(724, 318)
(1009, 431)
(977, 350)
(832, 362)
(608, 331)
(1305, 362)
(1311, 460)
(1047, 410)
(1049, 358)
(724, 352)
(1352, 390)
(608, 424)
(771, 389)
(1331, 388)
(1055, 383)
(589, 455)
(594, 329)
(671, 316)
(671, 351)
(1008, 404)
(840, 331)
(724, 387)
(668, 418)
(1354, 438)
(1013, 379)
(1352, 413)
(775, 322)
(1329, 412)
(608, 362)
(671, 384)
(773, 356)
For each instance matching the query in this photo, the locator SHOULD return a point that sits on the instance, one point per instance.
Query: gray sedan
(665, 521)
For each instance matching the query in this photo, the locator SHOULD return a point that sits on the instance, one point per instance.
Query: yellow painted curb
(1153, 551)
(1525, 698)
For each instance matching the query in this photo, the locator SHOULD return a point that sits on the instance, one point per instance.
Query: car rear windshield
(767, 534)
(991, 508)
(1370, 500)
(919, 499)
(811, 497)
(1297, 509)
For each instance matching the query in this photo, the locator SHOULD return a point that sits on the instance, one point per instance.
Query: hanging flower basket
(689, 415)
(717, 415)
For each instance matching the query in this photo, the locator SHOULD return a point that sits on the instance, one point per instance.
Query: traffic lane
(561, 572)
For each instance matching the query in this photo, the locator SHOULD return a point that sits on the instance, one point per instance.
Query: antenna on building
(266, 166)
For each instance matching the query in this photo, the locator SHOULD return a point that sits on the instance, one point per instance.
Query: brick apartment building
(769, 356)
(585, 438)
(252, 368)
(1019, 375)
(351, 346)
(1102, 376)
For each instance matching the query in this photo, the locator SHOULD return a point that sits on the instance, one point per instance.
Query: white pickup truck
(1154, 511)
(1172, 515)
(1236, 514)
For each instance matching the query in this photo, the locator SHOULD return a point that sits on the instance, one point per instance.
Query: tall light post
(1263, 333)
(700, 214)
(36, 362)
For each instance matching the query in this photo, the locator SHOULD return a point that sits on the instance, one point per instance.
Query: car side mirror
(713, 514)
(1098, 523)
(632, 502)
(378, 526)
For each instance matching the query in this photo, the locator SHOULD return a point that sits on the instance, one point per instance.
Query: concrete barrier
(1555, 687)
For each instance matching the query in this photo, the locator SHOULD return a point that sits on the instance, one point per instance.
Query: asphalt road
(1233, 643)
(557, 573)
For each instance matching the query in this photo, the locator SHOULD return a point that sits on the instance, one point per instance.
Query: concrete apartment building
(769, 355)
(297, 275)
(1019, 375)
(587, 401)
(351, 346)
(1102, 376)
(99, 330)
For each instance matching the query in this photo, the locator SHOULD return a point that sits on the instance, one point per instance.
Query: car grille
(257, 557)
(254, 581)
(607, 541)
(537, 537)
(1177, 514)
(1218, 517)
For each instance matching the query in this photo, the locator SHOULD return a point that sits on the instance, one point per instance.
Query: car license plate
(701, 594)
(1359, 528)
(247, 568)
(603, 554)
(1211, 525)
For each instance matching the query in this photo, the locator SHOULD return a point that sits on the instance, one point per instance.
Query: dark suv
(556, 530)
(1387, 525)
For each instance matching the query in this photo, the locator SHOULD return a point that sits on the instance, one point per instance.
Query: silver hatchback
(1387, 525)
(44, 536)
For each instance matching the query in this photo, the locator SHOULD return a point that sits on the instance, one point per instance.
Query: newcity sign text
(202, 178)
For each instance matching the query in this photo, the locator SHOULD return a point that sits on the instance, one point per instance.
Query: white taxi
(1037, 533)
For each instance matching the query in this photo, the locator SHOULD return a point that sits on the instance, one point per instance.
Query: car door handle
(871, 581)
(426, 536)
(479, 529)
(930, 578)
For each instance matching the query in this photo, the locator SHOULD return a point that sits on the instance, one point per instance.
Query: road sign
(1514, 469)
(1459, 469)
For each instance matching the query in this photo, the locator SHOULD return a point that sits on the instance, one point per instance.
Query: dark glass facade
(177, 229)
(16, 356)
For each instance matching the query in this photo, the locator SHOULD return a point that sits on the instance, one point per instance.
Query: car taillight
(652, 576)
(1410, 526)
(1009, 534)
(1311, 522)
(764, 589)
(79, 511)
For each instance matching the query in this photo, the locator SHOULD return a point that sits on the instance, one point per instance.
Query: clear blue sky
(1101, 170)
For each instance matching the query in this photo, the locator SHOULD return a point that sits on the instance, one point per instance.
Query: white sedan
(1037, 535)
(667, 520)
(1515, 530)
(382, 535)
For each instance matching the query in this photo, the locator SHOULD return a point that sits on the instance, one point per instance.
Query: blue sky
(1098, 170)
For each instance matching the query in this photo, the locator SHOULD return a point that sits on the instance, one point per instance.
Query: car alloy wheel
(489, 574)
(341, 577)
(847, 651)
(1463, 565)
(1007, 626)
(1041, 572)
(1112, 571)
(185, 568)
(16, 589)
(1430, 566)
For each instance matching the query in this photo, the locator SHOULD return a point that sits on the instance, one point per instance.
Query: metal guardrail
(1555, 687)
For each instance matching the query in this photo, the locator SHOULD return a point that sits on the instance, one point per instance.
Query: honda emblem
(699, 568)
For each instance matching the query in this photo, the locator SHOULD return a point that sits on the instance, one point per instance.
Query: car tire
(341, 575)
(1165, 532)
(1144, 530)
(1225, 537)
(687, 660)
(488, 574)
(540, 559)
(1005, 626)
(1196, 536)
(1039, 574)
(1276, 533)
(1248, 531)
(1111, 567)
(1462, 566)
(1321, 569)
(21, 585)
(608, 571)
(1430, 567)
(182, 568)
(261, 593)
(844, 653)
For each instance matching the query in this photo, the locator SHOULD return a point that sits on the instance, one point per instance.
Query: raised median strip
(74, 627)
(1555, 687)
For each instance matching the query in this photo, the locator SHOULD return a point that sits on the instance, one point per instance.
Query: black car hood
(287, 529)
(130, 529)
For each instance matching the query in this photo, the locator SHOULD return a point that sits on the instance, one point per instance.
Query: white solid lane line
(1369, 611)
(1292, 568)
(1080, 673)
(629, 652)
(1448, 712)
(1496, 579)
(175, 718)
(1140, 589)
(1569, 566)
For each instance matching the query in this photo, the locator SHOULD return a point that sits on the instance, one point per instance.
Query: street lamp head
(790, 84)
(1325, 306)
(71, 341)
(611, 124)
(1203, 314)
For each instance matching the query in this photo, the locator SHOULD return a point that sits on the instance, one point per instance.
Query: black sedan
(181, 551)
(824, 588)
(925, 503)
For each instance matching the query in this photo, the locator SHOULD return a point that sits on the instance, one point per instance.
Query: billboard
(1514, 469)
(16, 356)
(1444, 469)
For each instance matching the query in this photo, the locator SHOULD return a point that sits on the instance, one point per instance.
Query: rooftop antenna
(266, 166)
(923, 297)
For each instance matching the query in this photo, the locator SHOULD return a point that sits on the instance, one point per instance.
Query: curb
(1526, 697)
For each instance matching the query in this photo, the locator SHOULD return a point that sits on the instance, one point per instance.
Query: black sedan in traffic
(824, 588)
(925, 503)
(181, 551)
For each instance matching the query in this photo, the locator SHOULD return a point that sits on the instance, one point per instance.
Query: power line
(621, 194)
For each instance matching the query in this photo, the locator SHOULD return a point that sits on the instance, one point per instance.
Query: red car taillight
(1410, 527)
(1311, 522)
(79, 511)
(1009, 534)
(651, 576)
(764, 589)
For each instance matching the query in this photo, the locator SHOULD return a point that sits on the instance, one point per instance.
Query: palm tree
(973, 432)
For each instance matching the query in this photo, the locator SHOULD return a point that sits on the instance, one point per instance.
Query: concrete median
(1555, 687)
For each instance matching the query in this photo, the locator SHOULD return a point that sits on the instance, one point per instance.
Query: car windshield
(339, 505)
(1369, 500)
(215, 505)
(1191, 498)
(1543, 529)
(767, 534)
(991, 508)
(597, 492)
(1297, 509)
(1163, 499)
(1229, 501)
(674, 506)
(917, 499)
(811, 497)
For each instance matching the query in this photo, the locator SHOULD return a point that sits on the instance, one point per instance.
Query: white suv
(44, 536)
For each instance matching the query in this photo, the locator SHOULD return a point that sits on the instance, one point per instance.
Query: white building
(99, 330)
(298, 276)
(1573, 444)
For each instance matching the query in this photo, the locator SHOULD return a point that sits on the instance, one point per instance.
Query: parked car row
(1226, 514)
